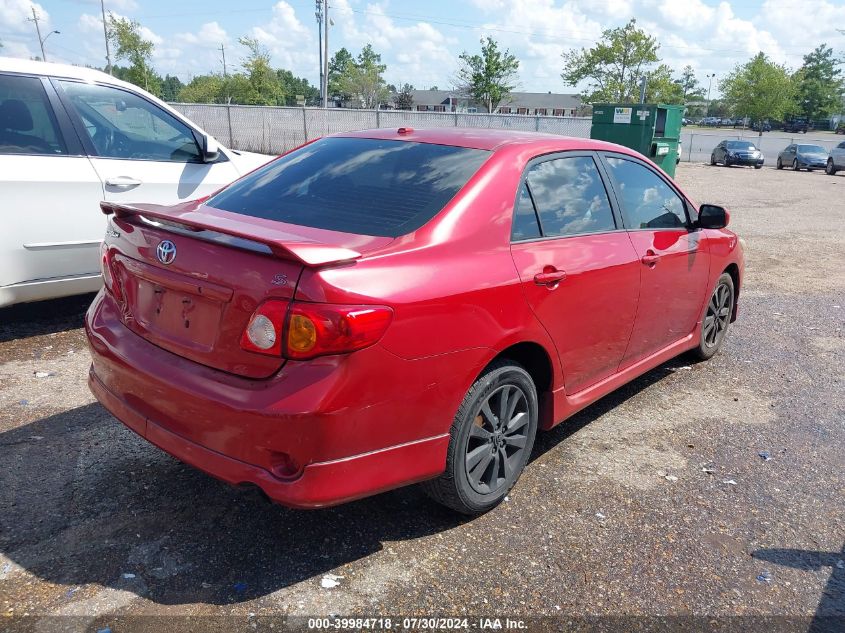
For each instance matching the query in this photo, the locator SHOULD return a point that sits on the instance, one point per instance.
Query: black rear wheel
(830, 169)
(779, 164)
(491, 440)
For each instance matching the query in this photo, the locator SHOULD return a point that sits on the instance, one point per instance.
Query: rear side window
(27, 124)
(525, 225)
(570, 197)
(355, 185)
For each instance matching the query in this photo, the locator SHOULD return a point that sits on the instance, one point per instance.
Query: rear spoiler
(281, 243)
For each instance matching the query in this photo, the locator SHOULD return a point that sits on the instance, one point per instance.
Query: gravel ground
(653, 502)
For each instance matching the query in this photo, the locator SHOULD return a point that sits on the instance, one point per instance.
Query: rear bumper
(319, 485)
(352, 425)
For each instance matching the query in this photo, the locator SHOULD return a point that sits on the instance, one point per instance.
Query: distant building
(533, 103)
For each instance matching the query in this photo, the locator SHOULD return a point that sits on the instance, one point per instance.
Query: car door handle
(549, 277)
(650, 259)
(122, 181)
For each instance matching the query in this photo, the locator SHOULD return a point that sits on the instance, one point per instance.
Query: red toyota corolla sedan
(386, 307)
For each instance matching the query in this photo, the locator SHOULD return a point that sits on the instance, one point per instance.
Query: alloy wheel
(497, 439)
(718, 315)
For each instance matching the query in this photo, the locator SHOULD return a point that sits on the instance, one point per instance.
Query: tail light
(109, 278)
(300, 331)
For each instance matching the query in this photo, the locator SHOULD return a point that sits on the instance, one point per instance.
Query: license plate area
(187, 319)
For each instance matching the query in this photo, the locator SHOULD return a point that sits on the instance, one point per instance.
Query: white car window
(27, 123)
(121, 124)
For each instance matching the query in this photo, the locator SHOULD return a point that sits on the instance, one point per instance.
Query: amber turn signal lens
(302, 334)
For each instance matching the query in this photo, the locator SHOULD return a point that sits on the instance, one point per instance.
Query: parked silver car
(836, 159)
(802, 156)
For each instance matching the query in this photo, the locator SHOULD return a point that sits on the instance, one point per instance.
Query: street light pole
(41, 40)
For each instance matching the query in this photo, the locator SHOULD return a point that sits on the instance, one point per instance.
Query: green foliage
(262, 86)
(489, 77)
(170, 87)
(404, 98)
(614, 65)
(339, 66)
(204, 89)
(294, 86)
(661, 88)
(820, 84)
(690, 88)
(129, 45)
(759, 89)
(361, 79)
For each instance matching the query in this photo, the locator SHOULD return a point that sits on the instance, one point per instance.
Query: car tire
(830, 169)
(758, 167)
(717, 318)
(486, 457)
(713, 160)
(779, 164)
(795, 166)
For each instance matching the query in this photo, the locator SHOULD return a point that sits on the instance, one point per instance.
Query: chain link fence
(274, 130)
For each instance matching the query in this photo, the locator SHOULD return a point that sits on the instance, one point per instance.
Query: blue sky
(420, 41)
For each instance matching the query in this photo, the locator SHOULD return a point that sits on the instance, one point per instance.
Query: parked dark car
(797, 125)
(801, 156)
(737, 153)
(761, 126)
(840, 129)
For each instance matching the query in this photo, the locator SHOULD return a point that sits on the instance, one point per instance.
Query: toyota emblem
(166, 252)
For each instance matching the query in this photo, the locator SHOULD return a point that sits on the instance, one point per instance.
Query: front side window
(570, 197)
(355, 185)
(647, 201)
(121, 124)
(27, 123)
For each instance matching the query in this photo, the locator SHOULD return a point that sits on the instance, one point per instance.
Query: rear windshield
(740, 145)
(355, 185)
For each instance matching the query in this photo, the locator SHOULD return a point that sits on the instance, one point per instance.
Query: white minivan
(71, 137)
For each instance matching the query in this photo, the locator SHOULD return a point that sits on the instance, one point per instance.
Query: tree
(170, 87)
(404, 98)
(338, 67)
(661, 88)
(264, 86)
(489, 77)
(759, 89)
(129, 44)
(689, 85)
(203, 89)
(363, 79)
(294, 86)
(614, 66)
(820, 84)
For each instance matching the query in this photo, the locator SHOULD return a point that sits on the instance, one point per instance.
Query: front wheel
(491, 439)
(795, 165)
(713, 160)
(758, 167)
(779, 164)
(717, 318)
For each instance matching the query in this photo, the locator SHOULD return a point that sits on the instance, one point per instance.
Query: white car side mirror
(210, 149)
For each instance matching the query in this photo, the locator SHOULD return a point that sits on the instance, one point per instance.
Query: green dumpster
(654, 130)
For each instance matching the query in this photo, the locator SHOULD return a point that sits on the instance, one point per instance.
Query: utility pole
(106, 37)
(223, 52)
(318, 13)
(35, 18)
(326, 54)
(709, 82)
(643, 84)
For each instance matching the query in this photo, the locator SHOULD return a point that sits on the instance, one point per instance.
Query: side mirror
(210, 149)
(711, 216)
